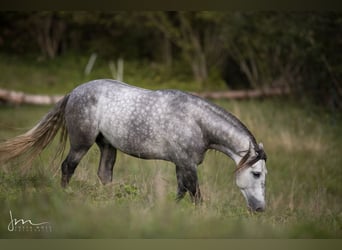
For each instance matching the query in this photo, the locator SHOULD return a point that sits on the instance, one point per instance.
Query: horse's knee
(69, 165)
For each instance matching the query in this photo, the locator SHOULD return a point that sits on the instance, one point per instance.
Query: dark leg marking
(108, 157)
(70, 163)
(188, 181)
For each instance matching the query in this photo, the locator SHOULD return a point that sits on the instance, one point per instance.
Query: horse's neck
(235, 152)
(228, 135)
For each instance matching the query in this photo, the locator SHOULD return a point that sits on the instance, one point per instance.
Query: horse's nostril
(260, 209)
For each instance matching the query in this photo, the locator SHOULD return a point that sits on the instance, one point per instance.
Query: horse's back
(148, 124)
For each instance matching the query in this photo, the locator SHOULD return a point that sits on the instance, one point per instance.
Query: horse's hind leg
(108, 157)
(70, 163)
(187, 180)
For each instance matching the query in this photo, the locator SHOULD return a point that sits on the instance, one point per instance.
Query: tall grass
(303, 185)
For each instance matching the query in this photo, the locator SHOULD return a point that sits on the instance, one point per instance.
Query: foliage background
(296, 50)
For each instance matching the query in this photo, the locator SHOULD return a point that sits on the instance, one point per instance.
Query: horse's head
(251, 177)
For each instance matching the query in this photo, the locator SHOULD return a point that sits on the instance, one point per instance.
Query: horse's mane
(247, 161)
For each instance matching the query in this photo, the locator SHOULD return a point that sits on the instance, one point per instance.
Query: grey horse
(169, 125)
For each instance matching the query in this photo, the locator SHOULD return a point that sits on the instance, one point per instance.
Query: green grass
(304, 191)
(59, 76)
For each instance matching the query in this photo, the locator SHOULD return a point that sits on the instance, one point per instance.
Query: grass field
(304, 191)
(26, 73)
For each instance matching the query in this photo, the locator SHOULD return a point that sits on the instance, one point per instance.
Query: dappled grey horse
(169, 125)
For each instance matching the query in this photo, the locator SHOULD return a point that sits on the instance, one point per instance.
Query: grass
(61, 75)
(304, 190)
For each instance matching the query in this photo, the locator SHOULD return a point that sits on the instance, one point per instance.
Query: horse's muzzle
(255, 205)
(257, 209)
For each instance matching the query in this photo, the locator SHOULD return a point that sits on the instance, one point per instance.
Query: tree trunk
(49, 32)
(199, 67)
(20, 98)
(167, 51)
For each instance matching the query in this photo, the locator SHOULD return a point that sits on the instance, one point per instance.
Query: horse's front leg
(187, 180)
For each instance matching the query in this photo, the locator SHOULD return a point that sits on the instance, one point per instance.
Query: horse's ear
(262, 152)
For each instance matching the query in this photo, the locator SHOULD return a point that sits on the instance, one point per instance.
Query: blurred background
(295, 57)
(52, 52)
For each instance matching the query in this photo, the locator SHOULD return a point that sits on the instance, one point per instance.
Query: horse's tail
(33, 142)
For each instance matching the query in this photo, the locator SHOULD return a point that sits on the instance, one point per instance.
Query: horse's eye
(256, 175)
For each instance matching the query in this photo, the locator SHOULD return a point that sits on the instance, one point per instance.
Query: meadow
(304, 191)
(303, 186)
